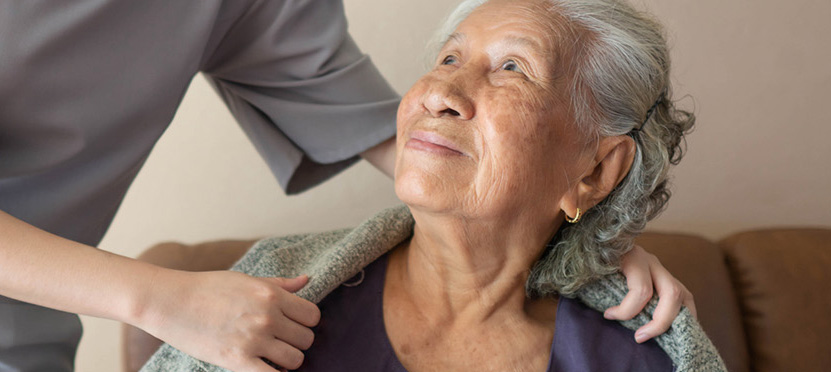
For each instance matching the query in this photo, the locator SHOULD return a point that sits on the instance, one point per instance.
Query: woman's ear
(611, 164)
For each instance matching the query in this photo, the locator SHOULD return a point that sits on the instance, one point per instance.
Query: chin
(411, 189)
(421, 192)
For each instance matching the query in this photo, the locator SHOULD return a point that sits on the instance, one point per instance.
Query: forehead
(527, 18)
(533, 24)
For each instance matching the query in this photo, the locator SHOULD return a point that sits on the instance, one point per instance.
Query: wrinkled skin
(498, 97)
(490, 162)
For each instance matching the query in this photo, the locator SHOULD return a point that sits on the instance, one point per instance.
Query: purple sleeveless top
(351, 335)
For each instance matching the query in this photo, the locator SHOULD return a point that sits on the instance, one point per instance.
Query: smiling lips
(433, 143)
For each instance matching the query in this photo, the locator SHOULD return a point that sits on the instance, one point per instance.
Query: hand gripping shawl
(333, 257)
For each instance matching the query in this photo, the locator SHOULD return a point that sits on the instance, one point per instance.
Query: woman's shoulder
(585, 341)
(288, 255)
(284, 255)
(330, 257)
(685, 342)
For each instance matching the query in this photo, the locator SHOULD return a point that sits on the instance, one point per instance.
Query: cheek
(522, 130)
(523, 149)
(408, 110)
(520, 111)
(409, 106)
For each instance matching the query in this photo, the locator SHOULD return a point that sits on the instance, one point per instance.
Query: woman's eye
(449, 60)
(510, 65)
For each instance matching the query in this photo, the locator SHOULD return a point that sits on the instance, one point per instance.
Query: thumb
(292, 284)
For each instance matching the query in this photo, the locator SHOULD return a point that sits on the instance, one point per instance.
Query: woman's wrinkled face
(488, 132)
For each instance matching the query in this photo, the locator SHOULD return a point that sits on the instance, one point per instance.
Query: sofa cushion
(700, 265)
(783, 280)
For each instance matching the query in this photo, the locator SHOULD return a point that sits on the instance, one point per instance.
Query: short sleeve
(300, 88)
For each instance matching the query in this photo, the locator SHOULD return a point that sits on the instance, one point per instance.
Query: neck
(469, 271)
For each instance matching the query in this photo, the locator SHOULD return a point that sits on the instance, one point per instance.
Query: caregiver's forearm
(225, 318)
(47, 270)
(382, 156)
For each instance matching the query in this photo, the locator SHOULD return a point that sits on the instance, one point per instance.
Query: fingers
(689, 302)
(241, 319)
(281, 354)
(296, 308)
(262, 365)
(669, 304)
(291, 316)
(292, 285)
(301, 311)
(294, 334)
(635, 267)
(671, 295)
(642, 271)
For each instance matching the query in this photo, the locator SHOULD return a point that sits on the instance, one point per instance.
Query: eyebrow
(456, 37)
(459, 38)
(524, 41)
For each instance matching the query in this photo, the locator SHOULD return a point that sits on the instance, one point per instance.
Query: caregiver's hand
(643, 271)
(225, 318)
(231, 319)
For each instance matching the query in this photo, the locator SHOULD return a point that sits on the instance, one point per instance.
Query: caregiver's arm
(225, 318)
(382, 156)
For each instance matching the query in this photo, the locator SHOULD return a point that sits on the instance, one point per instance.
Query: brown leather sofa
(763, 296)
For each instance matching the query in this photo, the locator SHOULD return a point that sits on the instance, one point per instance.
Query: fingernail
(608, 315)
(641, 336)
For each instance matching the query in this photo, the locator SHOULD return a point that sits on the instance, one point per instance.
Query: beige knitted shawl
(331, 258)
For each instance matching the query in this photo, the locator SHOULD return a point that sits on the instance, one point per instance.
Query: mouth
(433, 143)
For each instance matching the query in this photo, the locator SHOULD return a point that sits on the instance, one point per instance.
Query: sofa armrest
(783, 280)
(700, 265)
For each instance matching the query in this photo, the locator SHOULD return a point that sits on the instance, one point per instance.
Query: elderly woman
(528, 159)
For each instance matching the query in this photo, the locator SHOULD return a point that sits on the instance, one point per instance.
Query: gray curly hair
(619, 69)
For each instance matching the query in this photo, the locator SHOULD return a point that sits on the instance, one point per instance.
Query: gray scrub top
(88, 86)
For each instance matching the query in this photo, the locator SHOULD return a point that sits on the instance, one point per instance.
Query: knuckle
(265, 290)
(675, 293)
(651, 257)
(643, 293)
(261, 321)
(233, 355)
(269, 294)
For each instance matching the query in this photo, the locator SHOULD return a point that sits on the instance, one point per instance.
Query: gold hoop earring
(576, 217)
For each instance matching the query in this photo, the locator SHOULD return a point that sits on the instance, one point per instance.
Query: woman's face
(488, 132)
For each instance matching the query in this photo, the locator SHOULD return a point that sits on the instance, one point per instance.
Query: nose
(448, 98)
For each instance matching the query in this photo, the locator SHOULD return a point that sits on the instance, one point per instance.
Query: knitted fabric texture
(333, 257)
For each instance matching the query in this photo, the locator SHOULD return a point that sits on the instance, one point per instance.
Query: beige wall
(757, 72)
